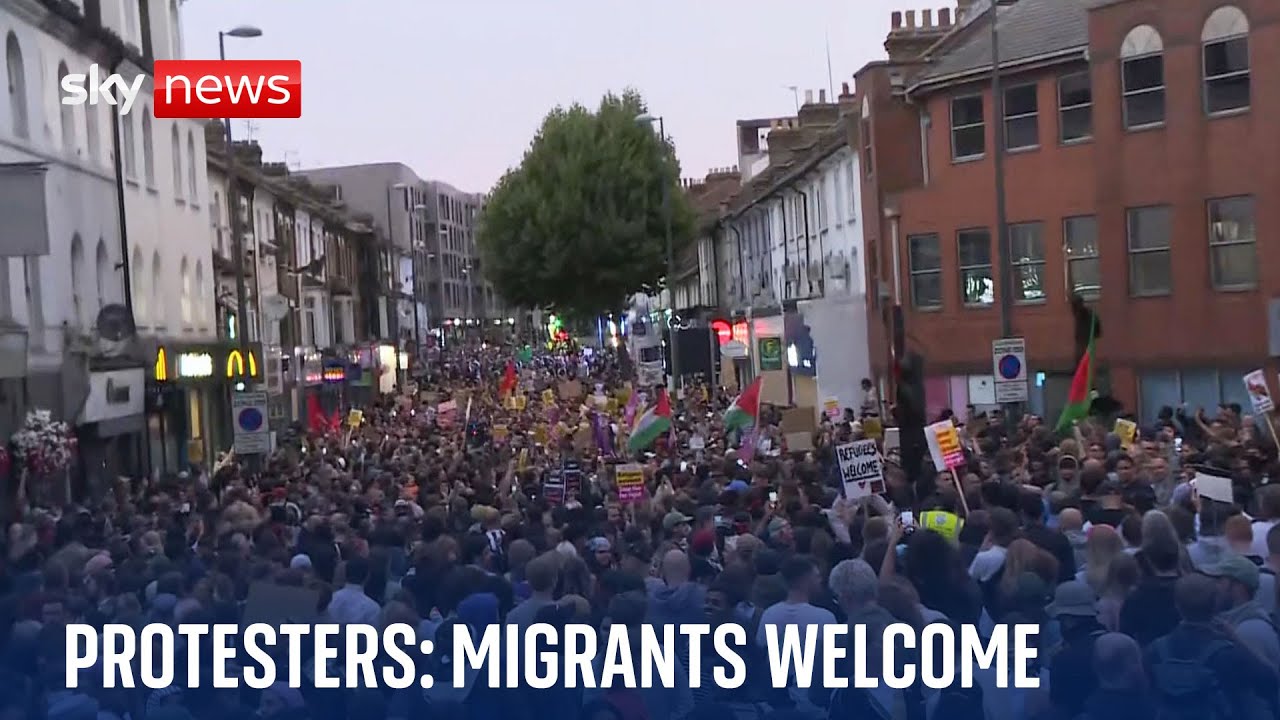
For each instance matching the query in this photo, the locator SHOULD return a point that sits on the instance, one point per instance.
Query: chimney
(822, 96)
(808, 97)
(817, 115)
(909, 40)
(249, 153)
(847, 102)
(275, 169)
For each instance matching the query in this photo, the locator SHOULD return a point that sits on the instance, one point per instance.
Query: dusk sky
(455, 90)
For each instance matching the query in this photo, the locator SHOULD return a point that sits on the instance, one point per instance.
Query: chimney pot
(927, 19)
(808, 97)
(822, 96)
(911, 19)
(895, 19)
(844, 88)
(944, 17)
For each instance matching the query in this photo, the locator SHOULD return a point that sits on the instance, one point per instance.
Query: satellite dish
(115, 323)
(276, 307)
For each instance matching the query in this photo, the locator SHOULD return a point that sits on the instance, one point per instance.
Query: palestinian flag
(652, 424)
(746, 408)
(1081, 393)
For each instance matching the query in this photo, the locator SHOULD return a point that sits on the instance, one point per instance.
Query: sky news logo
(252, 89)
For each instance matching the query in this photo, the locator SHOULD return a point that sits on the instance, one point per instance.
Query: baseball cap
(1235, 567)
(672, 519)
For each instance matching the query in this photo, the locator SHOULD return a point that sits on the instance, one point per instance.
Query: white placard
(1214, 487)
(1255, 383)
(861, 469)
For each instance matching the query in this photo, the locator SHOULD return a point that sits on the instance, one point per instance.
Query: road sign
(1009, 365)
(249, 418)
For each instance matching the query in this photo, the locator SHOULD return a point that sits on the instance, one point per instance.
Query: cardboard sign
(630, 481)
(1255, 383)
(570, 390)
(861, 469)
(571, 471)
(944, 445)
(354, 418)
(1127, 430)
(797, 441)
(831, 407)
(1214, 487)
(795, 420)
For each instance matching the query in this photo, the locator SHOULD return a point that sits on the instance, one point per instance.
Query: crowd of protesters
(1153, 600)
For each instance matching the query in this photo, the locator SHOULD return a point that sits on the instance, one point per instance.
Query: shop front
(109, 429)
(188, 407)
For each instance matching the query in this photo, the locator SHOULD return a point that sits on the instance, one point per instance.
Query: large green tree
(579, 225)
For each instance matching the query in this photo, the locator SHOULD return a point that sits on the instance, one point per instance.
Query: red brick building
(1142, 171)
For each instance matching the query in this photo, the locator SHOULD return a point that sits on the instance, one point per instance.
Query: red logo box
(235, 89)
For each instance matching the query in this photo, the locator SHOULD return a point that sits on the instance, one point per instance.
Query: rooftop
(1028, 29)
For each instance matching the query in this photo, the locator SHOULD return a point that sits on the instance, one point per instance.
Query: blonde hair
(1100, 549)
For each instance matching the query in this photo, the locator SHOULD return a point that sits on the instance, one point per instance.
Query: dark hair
(797, 569)
(357, 570)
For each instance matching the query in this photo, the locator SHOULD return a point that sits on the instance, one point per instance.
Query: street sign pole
(1009, 367)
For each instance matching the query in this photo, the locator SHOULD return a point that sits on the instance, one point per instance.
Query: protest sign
(521, 402)
(553, 487)
(861, 470)
(630, 481)
(1214, 487)
(831, 407)
(944, 445)
(796, 420)
(354, 418)
(1127, 430)
(1255, 383)
(873, 428)
(500, 433)
(548, 397)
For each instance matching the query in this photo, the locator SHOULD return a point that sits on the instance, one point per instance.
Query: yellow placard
(548, 397)
(1127, 430)
(831, 408)
(873, 428)
(521, 402)
(523, 463)
(540, 434)
(354, 418)
(500, 433)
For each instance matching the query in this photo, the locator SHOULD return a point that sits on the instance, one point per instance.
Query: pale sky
(456, 89)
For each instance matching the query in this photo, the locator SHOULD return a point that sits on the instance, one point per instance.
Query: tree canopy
(579, 225)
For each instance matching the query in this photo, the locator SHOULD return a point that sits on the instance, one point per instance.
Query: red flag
(508, 384)
(316, 420)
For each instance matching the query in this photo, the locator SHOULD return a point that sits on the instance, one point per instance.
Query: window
(1021, 118)
(198, 304)
(131, 23)
(822, 203)
(67, 116)
(1080, 242)
(184, 274)
(1233, 235)
(1149, 261)
(157, 291)
(17, 74)
(1142, 77)
(129, 148)
(851, 186)
(1026, 250)
(141, 295)
(925, 263)
(106, 282)
(1226, 61)
(865, 132)
(968, 133)
(93, 138)
(192, 189)
(976, 284)
(77, 281)
(1075, 107)
(1196, 388)
(148, 150)
(175, 31)
(176, 144)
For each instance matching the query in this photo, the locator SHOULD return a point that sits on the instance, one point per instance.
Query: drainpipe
(121, 212)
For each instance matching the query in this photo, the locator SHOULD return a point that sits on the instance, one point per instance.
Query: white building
(791, 259)
(49, 303)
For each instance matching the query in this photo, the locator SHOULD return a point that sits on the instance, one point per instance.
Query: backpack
(1186, 687)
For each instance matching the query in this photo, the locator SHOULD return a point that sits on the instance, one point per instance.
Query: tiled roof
(1028, 29)
(771, 179)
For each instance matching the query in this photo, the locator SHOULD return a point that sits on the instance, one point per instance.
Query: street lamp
(647, 119)
(233, 199)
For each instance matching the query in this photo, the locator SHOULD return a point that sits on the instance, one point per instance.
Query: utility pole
(237, 242)
(1004, 251)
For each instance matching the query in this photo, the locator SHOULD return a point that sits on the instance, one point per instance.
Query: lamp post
(233, 198)
(418, 246)
(647, 119)
(1004, 251)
